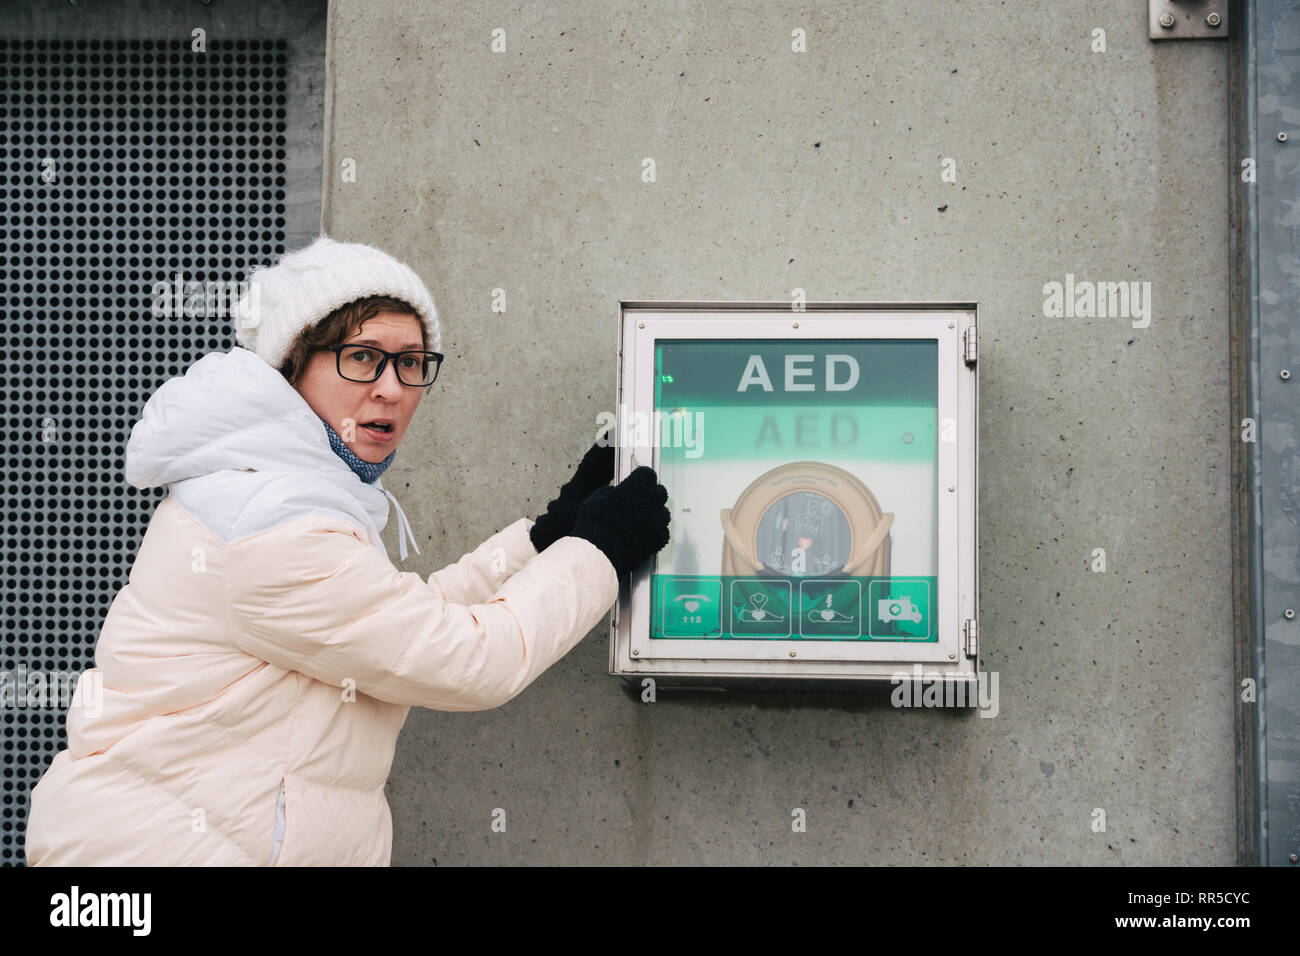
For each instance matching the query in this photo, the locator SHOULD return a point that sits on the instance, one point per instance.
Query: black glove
(628, 522)
(595, 471)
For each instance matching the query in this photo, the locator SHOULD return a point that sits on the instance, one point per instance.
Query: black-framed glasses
(365, 363)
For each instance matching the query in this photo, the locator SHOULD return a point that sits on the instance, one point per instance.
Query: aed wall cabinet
(821, 476)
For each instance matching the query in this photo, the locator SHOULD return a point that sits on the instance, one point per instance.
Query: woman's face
(348, 406)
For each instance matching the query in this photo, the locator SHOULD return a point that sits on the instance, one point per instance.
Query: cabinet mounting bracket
(1187, 19)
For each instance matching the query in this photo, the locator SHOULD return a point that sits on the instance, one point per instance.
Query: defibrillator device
(806, 518)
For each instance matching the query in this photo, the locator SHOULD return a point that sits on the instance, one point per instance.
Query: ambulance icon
(898, 609)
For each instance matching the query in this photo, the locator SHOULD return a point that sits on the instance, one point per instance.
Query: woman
(260, 662)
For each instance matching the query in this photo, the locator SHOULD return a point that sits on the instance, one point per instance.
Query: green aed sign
(803, 484)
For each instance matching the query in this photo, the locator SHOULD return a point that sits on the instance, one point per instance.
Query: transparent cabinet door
(803, 487)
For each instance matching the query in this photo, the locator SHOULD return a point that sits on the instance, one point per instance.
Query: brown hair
(341, 324)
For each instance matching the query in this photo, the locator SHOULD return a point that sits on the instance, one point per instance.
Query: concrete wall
(521, 170)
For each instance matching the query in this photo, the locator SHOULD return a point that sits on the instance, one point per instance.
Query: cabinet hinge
(972, 638)
(968, 345)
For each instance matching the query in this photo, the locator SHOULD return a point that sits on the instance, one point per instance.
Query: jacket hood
(232, 411)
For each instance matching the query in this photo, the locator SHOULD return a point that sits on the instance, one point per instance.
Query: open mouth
(381, 427)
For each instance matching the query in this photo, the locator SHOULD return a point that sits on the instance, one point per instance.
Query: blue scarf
(367, 471)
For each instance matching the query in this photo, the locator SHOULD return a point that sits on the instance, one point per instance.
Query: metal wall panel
(1273, 62)
(126, 157)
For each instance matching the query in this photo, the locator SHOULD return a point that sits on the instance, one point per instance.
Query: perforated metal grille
(123, 162)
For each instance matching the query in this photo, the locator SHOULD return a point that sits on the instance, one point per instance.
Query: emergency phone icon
(692, 602)
(692, 607)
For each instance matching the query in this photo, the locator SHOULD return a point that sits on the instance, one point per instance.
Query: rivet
(1288, 614)
(635, 652)
(952, 325)
(796, 325)
(792, 653)
(951, 488)
(1166, 20)
(1285, 374)
(1294, 858)
(1281, 137)
(640, 325)
(1213, 20)
(951, 655)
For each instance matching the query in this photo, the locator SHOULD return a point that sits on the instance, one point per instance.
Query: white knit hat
(305, 286)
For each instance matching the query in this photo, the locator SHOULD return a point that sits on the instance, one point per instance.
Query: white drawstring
(403, 527)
